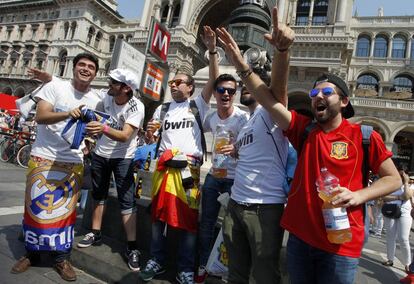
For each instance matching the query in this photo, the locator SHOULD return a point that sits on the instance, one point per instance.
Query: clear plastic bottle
(336, 218)
(222, 138)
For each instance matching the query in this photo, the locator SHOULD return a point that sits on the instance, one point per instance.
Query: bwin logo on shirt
(245, 140)
(185, 123)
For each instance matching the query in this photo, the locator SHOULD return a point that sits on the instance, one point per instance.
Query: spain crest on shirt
(339, 150)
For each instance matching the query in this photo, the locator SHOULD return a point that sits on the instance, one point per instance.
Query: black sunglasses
(222, 90)
(113, 81)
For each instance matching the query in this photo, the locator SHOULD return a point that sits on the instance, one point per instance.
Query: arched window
(90, 35)
(111, 43)
(98, 39)
(302, 12)
(176, 16)
(320, 12)
(380, 47)
(73, 30)
(403, 83)
(367, 81)
(363, 46)
(62, 62)
(398, 47)
(164, 14)
(66, 29)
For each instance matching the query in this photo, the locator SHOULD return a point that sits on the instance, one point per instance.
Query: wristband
(105, 128)
(212, 52)
(282, 50)
(244, 73)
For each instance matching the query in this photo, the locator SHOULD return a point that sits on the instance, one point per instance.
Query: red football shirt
(341, 152)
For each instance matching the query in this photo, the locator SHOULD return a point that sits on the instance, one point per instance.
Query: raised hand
(39, 75)
(232, 50)
(209, 38)
(282, 36)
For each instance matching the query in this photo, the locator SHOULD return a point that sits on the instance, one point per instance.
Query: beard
(247, 101)
(329, 113)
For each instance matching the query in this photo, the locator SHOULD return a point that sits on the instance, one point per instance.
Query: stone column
(170, 10)
(157, 11)
(310, 16)
(408, 51)
(341, 11)
(294, 7)
(185, 8)
(389, 51)
(281, 9)
(145, 14)
(371, 51)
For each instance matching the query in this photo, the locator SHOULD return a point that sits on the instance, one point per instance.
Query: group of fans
(260, 208)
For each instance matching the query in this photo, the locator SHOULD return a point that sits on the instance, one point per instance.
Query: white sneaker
(185, 277)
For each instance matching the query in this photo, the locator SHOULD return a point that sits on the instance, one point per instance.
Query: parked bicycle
(16, 146)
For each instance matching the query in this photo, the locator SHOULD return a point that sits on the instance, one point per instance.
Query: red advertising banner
(160, 41)
(153, 78)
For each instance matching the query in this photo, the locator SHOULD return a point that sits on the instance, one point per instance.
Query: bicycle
(17, 146)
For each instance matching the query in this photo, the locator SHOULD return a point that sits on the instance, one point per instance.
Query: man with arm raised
(311, 257)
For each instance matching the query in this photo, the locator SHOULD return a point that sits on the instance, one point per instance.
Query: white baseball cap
(125, 76)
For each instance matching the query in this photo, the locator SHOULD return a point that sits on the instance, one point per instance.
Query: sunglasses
(222, 90)
(177, 82)
(328, 91)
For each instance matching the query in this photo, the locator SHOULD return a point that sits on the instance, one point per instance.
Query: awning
(8, 103)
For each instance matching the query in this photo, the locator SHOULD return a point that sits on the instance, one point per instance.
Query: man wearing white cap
(114, 153)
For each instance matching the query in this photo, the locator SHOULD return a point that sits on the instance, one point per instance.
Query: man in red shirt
(334, 143)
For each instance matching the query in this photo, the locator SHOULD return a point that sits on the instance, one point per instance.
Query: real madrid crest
(52, 194)
(339, 150)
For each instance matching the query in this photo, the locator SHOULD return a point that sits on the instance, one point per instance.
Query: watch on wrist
(244, 73)
(213, 52)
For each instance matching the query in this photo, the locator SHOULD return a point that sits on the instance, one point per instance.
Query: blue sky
(132, 9)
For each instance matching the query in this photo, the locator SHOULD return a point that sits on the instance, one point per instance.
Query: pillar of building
(372, 46)
(294, 6)
(389, 51)
(185, 8)
(310, 16)
(341, 11)
(170, 11)
(281, 9)
(408, 51)
(145, 13)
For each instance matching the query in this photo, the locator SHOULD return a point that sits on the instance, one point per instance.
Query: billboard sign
(128, 57)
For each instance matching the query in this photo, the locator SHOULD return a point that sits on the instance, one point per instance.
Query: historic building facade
(374, 54)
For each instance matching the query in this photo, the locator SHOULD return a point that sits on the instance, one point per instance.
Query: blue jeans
(307, 264)
(186, 247)
(210, 207)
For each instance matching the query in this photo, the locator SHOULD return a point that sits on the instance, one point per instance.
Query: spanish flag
(171, 203)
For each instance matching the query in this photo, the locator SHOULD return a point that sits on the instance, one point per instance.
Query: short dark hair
(190, 81)
(86, 55)
(224, 78)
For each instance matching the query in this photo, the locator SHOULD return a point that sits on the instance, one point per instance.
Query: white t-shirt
(132, 113)
(49, 144)
(260, 170)
(233, 124)
(180, 128)
(404, 203)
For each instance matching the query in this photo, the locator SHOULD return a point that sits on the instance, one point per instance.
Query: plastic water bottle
(222, 138)
(336, 218)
